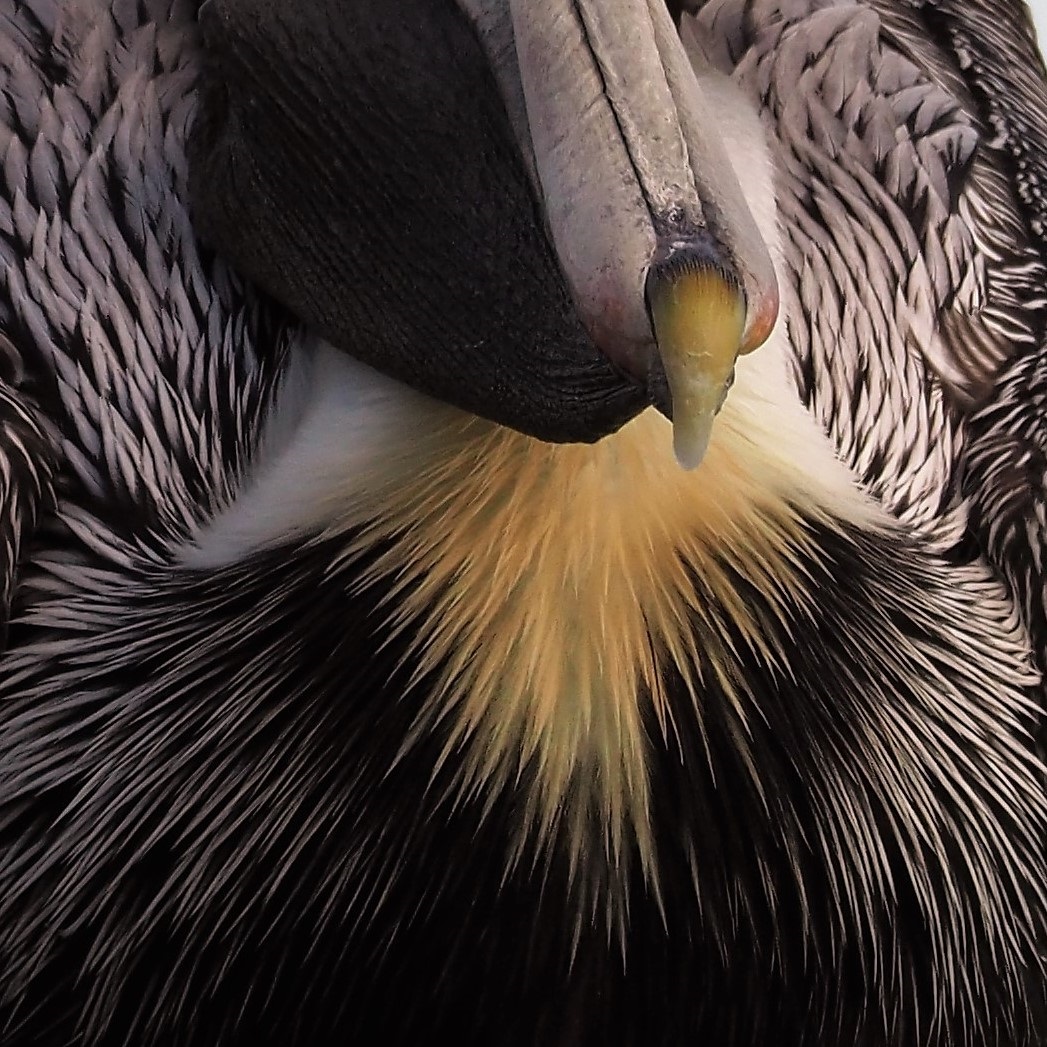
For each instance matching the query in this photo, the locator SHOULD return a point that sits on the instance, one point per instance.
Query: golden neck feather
(545, 587)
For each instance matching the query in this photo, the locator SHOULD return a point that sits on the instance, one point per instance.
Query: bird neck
(545, 588)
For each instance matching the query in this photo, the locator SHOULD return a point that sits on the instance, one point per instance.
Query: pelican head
(521, 208)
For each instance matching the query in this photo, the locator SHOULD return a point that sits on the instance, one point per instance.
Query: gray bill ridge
(646, 213)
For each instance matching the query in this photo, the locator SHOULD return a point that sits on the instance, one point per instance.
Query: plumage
(924, 228)
(334, 710)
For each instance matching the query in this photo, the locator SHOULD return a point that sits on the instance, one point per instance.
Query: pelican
(523, 523)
